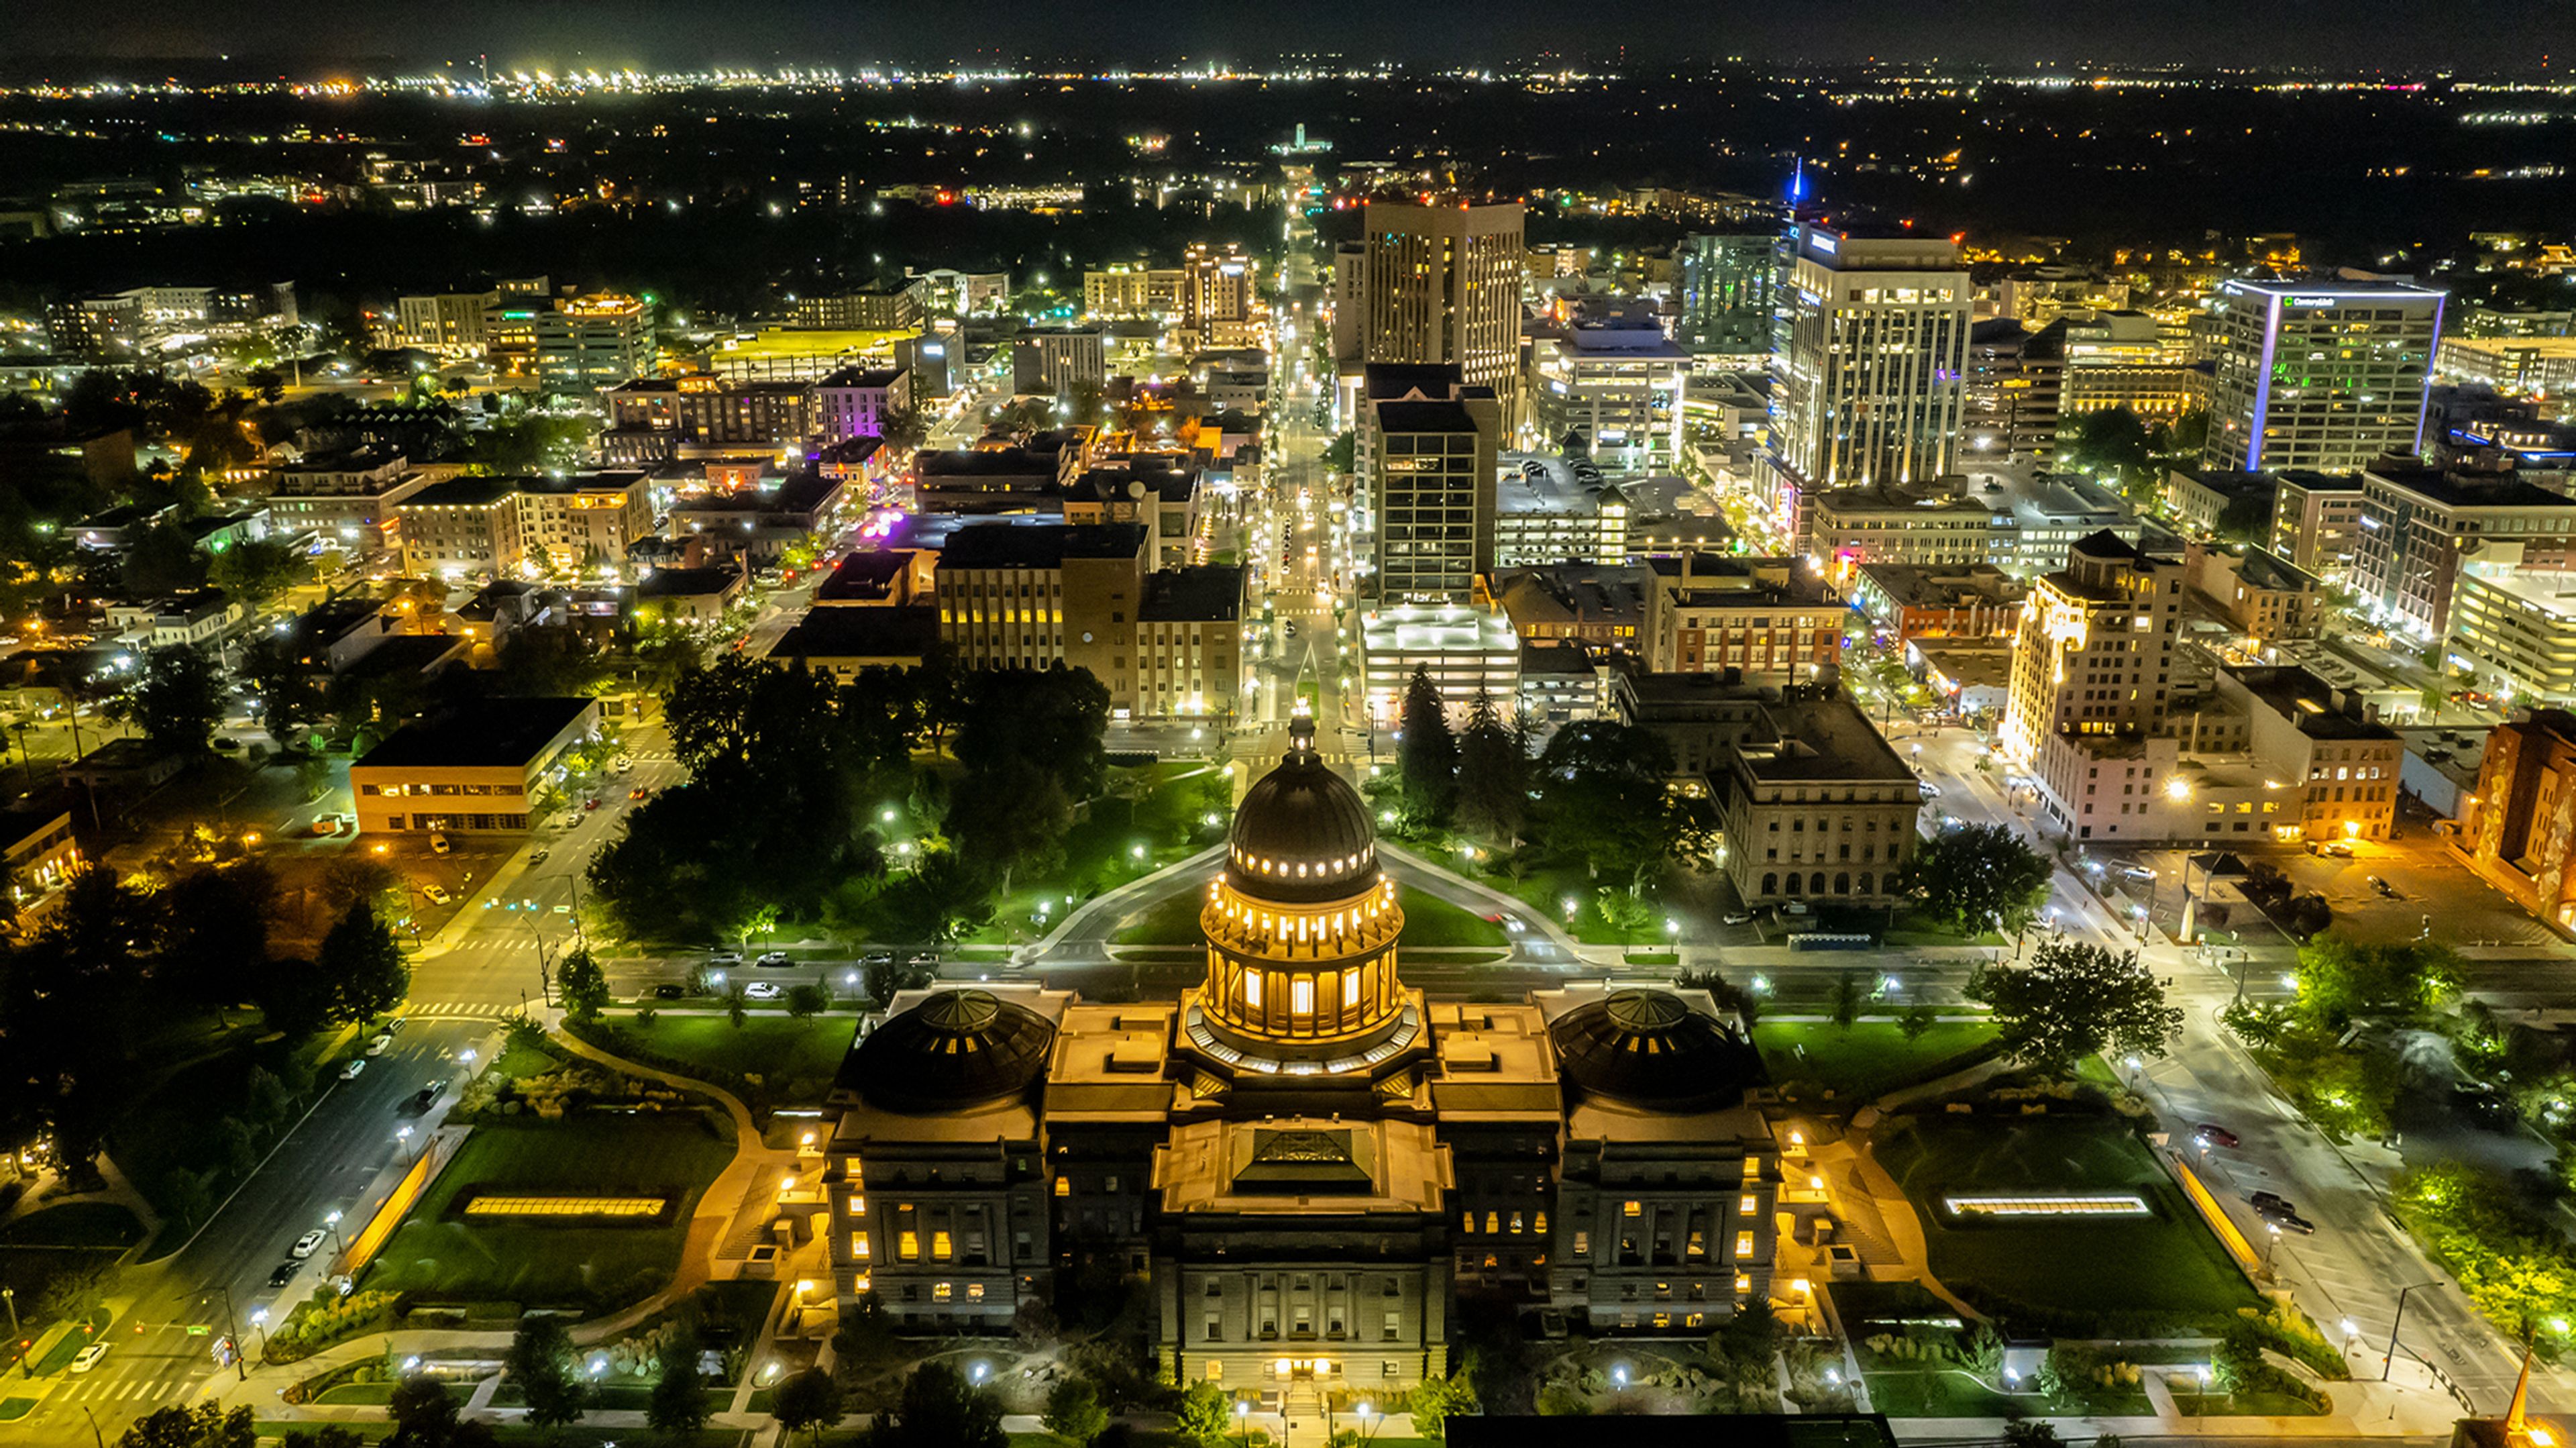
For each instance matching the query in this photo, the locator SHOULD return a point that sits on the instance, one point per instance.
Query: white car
(623, 764)
(380, 1045)
(89, 1356)
(763, 990)
(438, 843)
(308, 1244)
(437, 894)
(350, 1071)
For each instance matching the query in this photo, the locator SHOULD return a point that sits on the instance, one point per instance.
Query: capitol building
(1309, 1164)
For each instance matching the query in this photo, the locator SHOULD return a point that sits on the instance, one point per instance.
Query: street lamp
(2390, 1360)
(332, 1221)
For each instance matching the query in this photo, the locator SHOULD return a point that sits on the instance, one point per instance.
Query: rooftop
(2262, 568)
(1909, 586)
(686, 582)
(878, 378)
(889, 634)
(477, 734)
(466, 492)
(2319, 709)
(1201, 593)
(1818, 732)
(1046, 546)
(2453, 489)
(1425, 417)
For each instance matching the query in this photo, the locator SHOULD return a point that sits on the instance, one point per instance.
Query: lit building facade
(2322, 375)
(1444, 286)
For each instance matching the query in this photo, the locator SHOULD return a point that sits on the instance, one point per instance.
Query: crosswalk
(119, 1390)
(420, 1010)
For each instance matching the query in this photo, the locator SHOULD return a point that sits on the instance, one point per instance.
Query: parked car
(394, 1027)
(356, 1065)
(1794, 907)
(763, 990)
(877, 957)
(2382, 886)
(622, 763)
(2291, 1222)
(89, 1356)
(437, 893)
(1928, 788)
(773, 960)
(284, 1274)
(537, 857)
(667, 991)
(590, 804)
(424, 1098)
(724, 959)
(2336, 848)
(381, 1044)
(438, 843)
(639, 792)
(2210, 1133)
(308, 1244)
(1739, 917)
(2139, 873)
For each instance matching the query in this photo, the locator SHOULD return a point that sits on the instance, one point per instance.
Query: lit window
(939, 1248)
(1252, 988)
(1064, 1187)
(859, 1246)
(1631, 1209)
(1744, 1244)
(908, 1247)
(940, 1292)
(974, 1291)
(1350, 989)
(1301, 996)
(1743, 1206)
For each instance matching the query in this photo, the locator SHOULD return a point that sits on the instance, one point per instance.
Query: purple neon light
(2424, 403)
(2263, 384)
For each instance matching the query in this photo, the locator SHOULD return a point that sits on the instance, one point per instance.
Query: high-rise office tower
(1444, 286)
(1875, 339)
(1428, 443)
(2326, 375)
(1727, 288)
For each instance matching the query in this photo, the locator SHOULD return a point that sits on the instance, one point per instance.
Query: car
(2382, 886)
(639, 792)
(1739, 917)
(1928, 788)
(877, 957)
(773, 960)
(668, 991)
(424, 1098)
(394, 1027)
(89, 1356)
(2139, 873)
(724, 959)
(537, 857)
(284, 1274)
(2290, 1222)
(438, 843)
(624, 763)
(356, 1065)
(571, 820)
(2272, 1204)
(2210, 1133)
(380, 1045)
(437, 893)
(2336, 848)
(308, 1244)
(1794, 907)
(764, 990)
(590, 804)
(327, 826)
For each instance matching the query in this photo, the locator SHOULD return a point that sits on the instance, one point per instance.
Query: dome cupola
(1302, 834)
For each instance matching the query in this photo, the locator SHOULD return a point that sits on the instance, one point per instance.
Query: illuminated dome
(1301, 928)
(958, 1048)
(1649, 1048)
(1302, 833)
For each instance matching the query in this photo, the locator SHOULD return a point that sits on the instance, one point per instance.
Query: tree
(583, 986)
(1426, 753)
(1978, 875)
(540, 1363)
(2074, 1000)
(161, 559)
(364, 966)
(1436, 1400)
(293, 996)
(1341, 455)
(423, 1412)
(1917, 1020)
(217, 931)
(1843, 1005)
(807, 1000)
(254, 570)
(1493, 774)
(1205, 1415)
(940, 1409)
(355, 879)
(2032, 1433)
(809, 1400)
(1604, 800)
(206, 1425)
(901, 429)
(2340, 979)
(1073, 1411)
(678, 1406)
(179, 701)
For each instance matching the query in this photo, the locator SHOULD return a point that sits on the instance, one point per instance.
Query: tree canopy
(2074, 1000)
(1980, 875)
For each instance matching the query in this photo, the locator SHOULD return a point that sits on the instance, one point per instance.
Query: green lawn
(2165, 1264)
(12, 1409)
(1944, 1393)
(794, 1059)
(2261, 1405)
(1869, 1059)
(1429, 921)
(76, 1224)
(440, 1258)
(1169, 820)
(69, 1345)
(1545, 891)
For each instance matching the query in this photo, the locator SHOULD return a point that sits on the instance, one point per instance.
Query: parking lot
(2430, 894)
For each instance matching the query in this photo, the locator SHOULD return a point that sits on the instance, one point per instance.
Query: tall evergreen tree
(1426, 757)
(366, 969)
(1492, 774)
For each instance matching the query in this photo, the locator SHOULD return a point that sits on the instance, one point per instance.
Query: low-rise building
(466, 527)
(1539, 520)
(842, 641)
(346, 500)
(1033, 597)
(2316, 521)
(688, 595)
(1189, 644)
(37, 844)
(1597, 606)
(181, 619)
(1815, 805)
(1774, 620)
(1162, 495)
(2257, 592)
(1620, 389)
(2518, 830)
(1973, 675)
(1907, 602)
(2515, 629)
(757, 524)
(1467, 649)
(854, 401)
(475, 768)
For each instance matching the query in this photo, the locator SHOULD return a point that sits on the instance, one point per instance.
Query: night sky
(676, 34)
